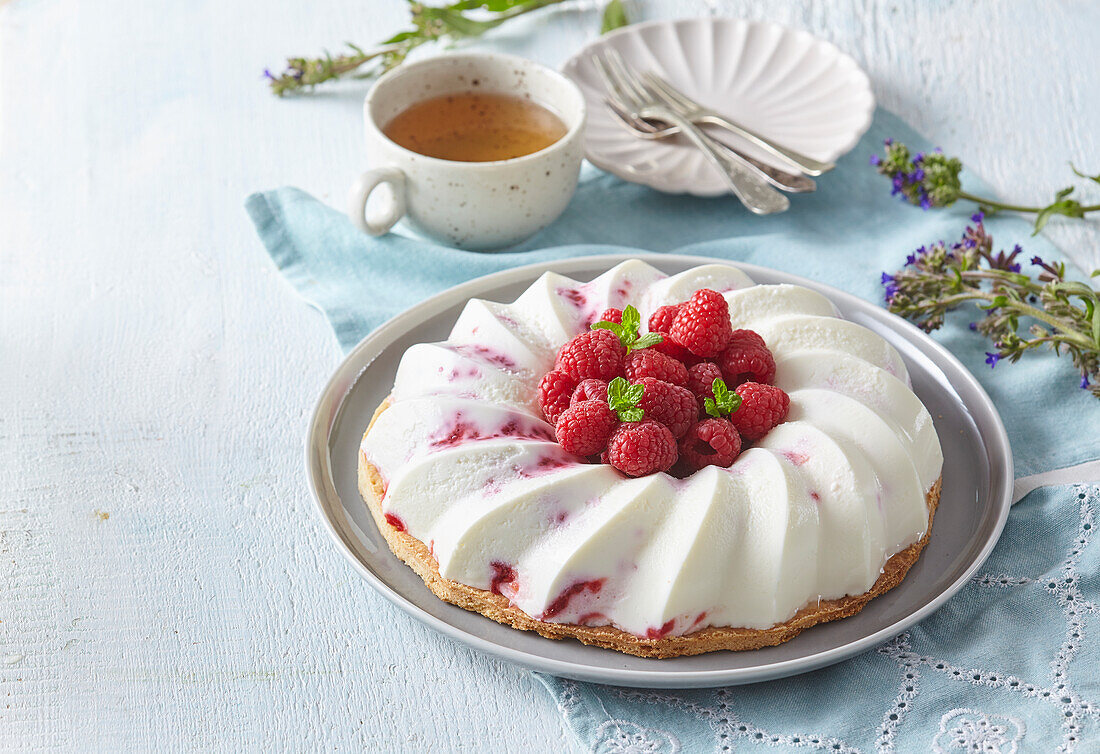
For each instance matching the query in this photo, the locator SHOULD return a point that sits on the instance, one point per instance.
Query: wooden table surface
(164, 581)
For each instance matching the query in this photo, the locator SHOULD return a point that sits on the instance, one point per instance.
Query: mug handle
(361, 191)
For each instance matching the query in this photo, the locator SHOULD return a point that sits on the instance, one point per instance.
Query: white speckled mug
(471, 205)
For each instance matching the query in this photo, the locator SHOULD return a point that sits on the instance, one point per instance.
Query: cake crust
(417, 556)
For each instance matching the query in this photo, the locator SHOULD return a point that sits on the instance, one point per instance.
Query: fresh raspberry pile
(746, 359)
(640, 448)
(701, 379)
(669, 404)
(689, 393)
(662, 319)
(762, 407)
(585, 427)
(710, 442)
(612, 315)
(650, 363)
(596, 354)
(555, 390)
(702, 325)
(590, 390)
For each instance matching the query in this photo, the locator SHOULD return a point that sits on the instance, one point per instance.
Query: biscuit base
(417, 556)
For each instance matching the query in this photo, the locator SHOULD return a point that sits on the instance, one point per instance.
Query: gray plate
(977, 488)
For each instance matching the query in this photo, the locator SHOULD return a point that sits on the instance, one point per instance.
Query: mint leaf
(631, 320)
(627, 332)
(721, 392)
(615, 390)
(620, 330)
(711, 408)
(647, 340)
(724, 402)
(623, 399)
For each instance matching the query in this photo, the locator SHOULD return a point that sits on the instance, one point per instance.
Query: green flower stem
(519, 10)
(1014, 207)
(999, 277)
(1065, 328)
(939, 278)
(461, 19)
(1036, 342)
(506, 15)
(930, 180)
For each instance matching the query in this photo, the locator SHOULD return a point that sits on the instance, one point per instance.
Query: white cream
(813, 511)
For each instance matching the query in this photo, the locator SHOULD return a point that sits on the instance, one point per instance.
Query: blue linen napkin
(973, 680)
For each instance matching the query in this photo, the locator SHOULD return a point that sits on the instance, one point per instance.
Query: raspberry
(650, 363)
(612, 315)
(661, 320)
(585, 427)
(746, 362)
(671, 405)
(555, 389)
(747, 337)
(596, 353)
(703, 323)
(711, 442)
(762, 407)
(701, 379)
(640, 448)
(670, 347)
(590, 390)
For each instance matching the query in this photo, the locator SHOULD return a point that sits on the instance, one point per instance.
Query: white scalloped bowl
(784, 84)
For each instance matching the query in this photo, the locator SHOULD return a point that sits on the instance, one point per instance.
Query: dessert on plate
(661, 465)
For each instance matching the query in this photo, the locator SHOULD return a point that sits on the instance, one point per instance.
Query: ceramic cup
(471, 205)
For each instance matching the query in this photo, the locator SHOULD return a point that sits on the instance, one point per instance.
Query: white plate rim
(318, 471)
(653, 180)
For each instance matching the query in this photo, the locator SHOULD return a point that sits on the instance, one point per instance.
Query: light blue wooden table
(164, 582)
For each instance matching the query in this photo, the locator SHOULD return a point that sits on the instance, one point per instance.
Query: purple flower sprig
(1061, 314)
(931, 180)
(462, 19)
(924, 180)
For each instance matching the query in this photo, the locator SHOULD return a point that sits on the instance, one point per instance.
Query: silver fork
(698, 113)
(628, 91)
(796, 183)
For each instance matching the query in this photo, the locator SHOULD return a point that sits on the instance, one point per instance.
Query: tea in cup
(480, 150)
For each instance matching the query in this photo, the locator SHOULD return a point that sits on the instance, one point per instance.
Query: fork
(698, 113)
(796, 183)
(633, 96)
